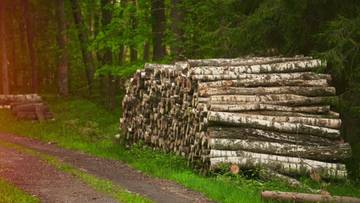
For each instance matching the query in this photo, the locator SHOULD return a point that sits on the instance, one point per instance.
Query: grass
(10, 194)
(101, 185)
(88, 127)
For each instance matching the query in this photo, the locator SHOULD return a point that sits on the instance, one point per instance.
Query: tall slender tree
(176, 28)
(158, 28)
(83, 38)
(63, 61)
(3, 48)
(106, 13)
(133, 25)
(30, 41)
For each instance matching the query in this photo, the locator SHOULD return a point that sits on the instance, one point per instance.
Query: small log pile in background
(26, 107)
(267, 112)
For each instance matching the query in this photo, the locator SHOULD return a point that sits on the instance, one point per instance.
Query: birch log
(248, 133)
(263, 83)
(328, 115)
(321, 122)
(282, 164)
(304, 197)
(7, 99)
(270, 77)
(305, 91)
(275, 99)
(323, 153)
(243, 61)
(235, 110)
(294, 66)
(232, 119)
(269, 107)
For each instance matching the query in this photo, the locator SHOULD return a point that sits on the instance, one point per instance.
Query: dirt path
(119, 173)
(44, 181)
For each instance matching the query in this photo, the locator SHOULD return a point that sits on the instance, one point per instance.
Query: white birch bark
(304, 197)
(262, 83)
(258, 134)
(7, 99)
(283, 164)
(232, 119)
(305, 91)
(324, 153)
(243, 61)
(270, 77)
(321, 122)
(275, 99)
(293, 66)
(269, 107)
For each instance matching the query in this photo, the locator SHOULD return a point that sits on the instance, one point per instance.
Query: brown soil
(119, 173)
(43, 181)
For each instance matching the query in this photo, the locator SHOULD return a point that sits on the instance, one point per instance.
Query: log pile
(255, 112)
(26, 107)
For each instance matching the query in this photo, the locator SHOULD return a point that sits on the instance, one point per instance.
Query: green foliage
(123, 71)
(342, 37)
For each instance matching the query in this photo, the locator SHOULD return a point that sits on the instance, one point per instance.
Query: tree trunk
(284, 67)
(282, 164)
(22, 38)
(83, 38)
(266, 135)
(146, 55)
(158, 28)
(63, 61)
(304, 91)
(270, 107)
(133, 25)
(270, 77)
(321, 114)
(106, 9)
(8, 99)
(3, 49)
(244, 61)
(323, 153)
(279, 99)
(176, 28)
(321, 122)
(32, 52)
(262, 83)
(303, 197)
(233, 119)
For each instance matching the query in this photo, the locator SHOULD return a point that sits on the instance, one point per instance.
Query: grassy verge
(10, 194)
(85, 126)
(101, 185)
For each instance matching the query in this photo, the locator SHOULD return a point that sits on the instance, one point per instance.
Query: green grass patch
(87, 127)
(101, 185)
(10, 194)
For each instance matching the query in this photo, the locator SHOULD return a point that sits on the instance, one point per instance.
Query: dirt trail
(43, 181)
(119, 173)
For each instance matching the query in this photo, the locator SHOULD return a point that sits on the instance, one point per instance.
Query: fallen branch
(304, 197)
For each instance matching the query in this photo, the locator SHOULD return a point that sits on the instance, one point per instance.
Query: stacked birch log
(26, 107)
(255, 112)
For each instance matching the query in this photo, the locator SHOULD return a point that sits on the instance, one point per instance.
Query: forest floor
(86, 130)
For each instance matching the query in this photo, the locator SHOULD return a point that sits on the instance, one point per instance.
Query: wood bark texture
(250, 112)
(304, 197)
